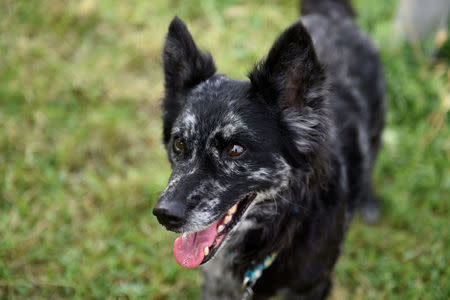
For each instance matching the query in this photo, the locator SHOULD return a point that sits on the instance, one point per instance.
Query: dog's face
(232, 142)
(223, 148)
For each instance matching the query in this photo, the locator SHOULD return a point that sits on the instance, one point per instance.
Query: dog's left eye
(235, 150)
(178, 145)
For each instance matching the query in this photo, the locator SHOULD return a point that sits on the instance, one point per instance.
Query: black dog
(267, 173)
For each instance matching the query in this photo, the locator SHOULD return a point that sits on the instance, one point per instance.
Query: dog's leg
(370, 206)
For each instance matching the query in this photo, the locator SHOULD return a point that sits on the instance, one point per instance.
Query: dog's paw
(370, 211)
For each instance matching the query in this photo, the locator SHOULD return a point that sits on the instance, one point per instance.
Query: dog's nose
(171, 214)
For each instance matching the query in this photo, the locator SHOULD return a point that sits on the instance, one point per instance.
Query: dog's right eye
(178, 146)
(235, 150)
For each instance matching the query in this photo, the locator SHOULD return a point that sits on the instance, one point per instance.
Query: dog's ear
(292, 80)
(184, 67)
(291, 74)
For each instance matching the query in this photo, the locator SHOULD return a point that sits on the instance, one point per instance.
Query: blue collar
(252, 275)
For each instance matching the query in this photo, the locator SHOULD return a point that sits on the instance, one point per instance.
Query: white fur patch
(304, 125)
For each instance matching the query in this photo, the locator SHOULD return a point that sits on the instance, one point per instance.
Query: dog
(267, 173)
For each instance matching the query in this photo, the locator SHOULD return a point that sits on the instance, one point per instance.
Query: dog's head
(232, 143)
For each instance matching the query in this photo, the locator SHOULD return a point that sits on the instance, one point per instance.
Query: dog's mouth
(195, 248)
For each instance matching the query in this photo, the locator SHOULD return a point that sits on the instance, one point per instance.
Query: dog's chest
(219, 282)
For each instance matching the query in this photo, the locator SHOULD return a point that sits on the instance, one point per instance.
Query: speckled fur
(310, 119)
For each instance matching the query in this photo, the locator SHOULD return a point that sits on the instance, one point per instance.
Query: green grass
(81, 163)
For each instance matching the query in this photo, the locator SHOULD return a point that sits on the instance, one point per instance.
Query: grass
(81, 163)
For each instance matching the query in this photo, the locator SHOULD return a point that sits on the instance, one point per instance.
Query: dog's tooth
(232, 210)
(227, 219)
(206, 251)
(220, 228)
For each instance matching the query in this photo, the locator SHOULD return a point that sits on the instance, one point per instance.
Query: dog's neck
(276, 223)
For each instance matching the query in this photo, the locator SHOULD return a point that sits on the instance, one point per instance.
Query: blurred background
(81, 160)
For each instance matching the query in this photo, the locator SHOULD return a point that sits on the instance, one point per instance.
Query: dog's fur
(310, 120)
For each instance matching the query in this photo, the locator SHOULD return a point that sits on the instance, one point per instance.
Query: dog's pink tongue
(189, 248)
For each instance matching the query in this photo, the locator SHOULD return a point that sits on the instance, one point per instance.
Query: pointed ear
(292, 79)
(291, 75)
(184, 65)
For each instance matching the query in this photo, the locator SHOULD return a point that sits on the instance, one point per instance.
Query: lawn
(81, 160)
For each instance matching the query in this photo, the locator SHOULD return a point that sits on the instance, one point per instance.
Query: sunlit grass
(81, 162)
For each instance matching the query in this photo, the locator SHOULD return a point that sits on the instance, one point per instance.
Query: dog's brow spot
(187, 121)
(228, 126)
